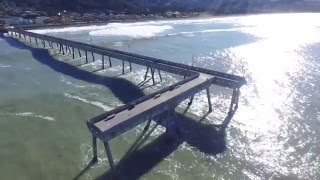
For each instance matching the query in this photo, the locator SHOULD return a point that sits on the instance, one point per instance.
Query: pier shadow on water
(119, 86)
(207, 138)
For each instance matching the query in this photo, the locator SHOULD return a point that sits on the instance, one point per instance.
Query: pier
(157, 106)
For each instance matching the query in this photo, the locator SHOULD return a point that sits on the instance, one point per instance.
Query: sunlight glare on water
(274, 63)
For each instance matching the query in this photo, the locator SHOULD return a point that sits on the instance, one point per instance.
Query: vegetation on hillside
(160, 6)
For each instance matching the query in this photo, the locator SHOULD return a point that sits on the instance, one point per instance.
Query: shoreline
(81, 24)
(201, 16)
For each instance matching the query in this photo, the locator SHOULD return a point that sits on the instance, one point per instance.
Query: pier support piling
(72, 52)
(237, 99)
(86, 53)
(43, 43)
(67, 51)
(62, 50)
(146, 75)
(50, 44)
(152, 71)
(122, 66)
(110, 64)
(234, 100)
(95, 149)
(93, 57)
(152, 75)
(159, 75)
(79, 52)
(148, 125)
(102, 61)
(110, 158)
(209, 99)
(191, 100)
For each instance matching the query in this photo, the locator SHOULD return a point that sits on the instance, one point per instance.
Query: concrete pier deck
(123, 120)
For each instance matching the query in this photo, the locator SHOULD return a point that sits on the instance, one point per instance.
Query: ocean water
(46, 98)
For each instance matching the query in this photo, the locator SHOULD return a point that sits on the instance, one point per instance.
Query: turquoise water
(46, 99)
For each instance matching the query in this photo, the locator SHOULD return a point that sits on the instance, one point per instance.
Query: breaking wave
(153, 31)
(136, 30)
(191, 33)
(132, 31)
(69, 29)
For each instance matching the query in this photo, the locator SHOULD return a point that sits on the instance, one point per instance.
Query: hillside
(154, 6)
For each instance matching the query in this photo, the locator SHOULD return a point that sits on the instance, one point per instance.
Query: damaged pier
(154, 106)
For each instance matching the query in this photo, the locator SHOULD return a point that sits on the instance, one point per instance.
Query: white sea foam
(148, 29)
(136, 31)
(69, 29)
(97, 63)
(203, 32)
(118, 44)
(145, 29)
(4, 66)
(95, 103)
(31, 114)
(184, 21)
(66, 81)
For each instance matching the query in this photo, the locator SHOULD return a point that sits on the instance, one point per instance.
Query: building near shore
(15, 21)
(30, 14)
(40, 20)
(52, 20)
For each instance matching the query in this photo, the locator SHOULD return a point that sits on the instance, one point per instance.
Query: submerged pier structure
(153, 107)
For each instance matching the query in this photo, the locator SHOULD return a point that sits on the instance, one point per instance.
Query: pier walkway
(150, 107)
